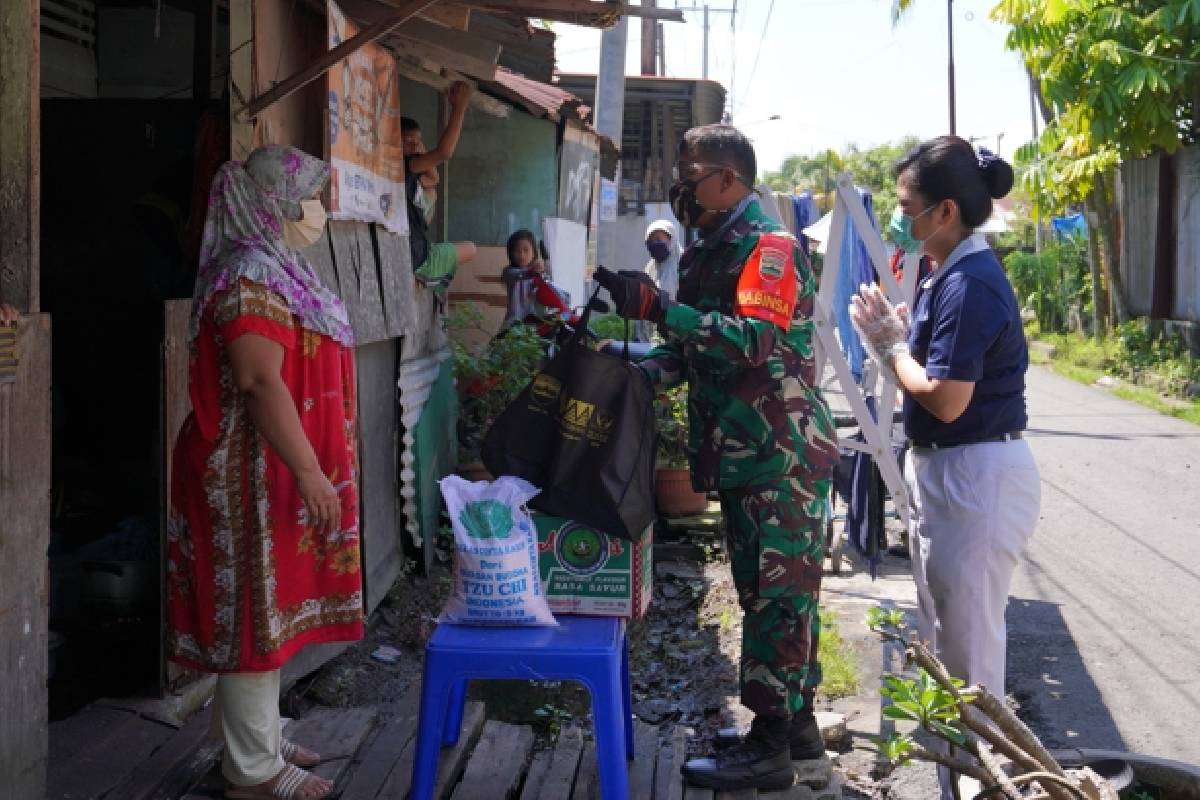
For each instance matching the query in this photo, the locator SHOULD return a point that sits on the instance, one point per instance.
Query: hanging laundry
(805, 213)
(1069, 225)
(856, 269)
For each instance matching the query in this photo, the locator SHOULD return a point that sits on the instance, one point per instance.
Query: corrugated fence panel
(436, 450)
(1139, 216)
(423, 384)
(1187, 223)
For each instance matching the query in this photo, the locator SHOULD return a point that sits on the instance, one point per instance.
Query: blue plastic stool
(590, 650)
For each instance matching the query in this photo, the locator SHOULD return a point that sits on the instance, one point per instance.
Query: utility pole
(650, 29)
(662, 50)
(950, 49)
(707, 10)
(609, 121)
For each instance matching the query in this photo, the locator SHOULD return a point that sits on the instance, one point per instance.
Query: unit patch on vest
(767, 287)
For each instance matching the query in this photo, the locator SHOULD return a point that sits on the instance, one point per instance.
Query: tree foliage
(1121, 79)
(870, 167)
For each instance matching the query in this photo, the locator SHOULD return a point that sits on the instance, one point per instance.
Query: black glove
(634, 294)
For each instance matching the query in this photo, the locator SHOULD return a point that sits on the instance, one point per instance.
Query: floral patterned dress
(250, 583)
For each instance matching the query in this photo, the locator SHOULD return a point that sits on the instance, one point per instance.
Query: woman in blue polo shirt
(974, 484)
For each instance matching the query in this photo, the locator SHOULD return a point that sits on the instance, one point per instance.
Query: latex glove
(884, 331)
(634, 294)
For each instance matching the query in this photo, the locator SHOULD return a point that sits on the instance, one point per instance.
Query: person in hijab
(263, 533)
(663, 265)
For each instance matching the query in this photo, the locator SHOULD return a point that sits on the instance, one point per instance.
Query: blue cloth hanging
(856, 269)
(806, 212)
(1069, 225)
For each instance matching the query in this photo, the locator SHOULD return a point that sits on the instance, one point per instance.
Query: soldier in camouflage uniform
(741, 333)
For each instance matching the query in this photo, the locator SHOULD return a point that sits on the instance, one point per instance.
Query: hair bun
(997, 174)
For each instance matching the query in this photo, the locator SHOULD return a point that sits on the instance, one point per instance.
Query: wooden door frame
(24, 416)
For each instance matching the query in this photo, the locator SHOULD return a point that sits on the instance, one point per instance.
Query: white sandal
(290, 752)
(288, 783)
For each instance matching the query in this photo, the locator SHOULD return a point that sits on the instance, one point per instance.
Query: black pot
(1176, 780)
(118, 588)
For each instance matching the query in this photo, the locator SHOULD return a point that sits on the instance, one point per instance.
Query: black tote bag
(583, 431)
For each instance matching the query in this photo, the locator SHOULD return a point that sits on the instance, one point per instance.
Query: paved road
(1104, 623)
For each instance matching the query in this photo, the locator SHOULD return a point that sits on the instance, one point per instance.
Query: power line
(759, 49)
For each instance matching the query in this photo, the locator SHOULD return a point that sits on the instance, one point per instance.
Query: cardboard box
(587, 572)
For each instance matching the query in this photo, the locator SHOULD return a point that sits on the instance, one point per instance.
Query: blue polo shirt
(966, 326)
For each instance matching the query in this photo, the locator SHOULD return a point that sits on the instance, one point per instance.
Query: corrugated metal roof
(540, 99)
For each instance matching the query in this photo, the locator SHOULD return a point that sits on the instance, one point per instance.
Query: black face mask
(684, 205)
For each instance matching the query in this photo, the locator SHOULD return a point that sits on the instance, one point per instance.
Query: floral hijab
(243, 238)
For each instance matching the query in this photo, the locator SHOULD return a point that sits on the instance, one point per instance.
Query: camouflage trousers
(776, 554)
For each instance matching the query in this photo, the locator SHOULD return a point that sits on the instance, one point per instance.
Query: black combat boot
(804, 735)
(760, 761)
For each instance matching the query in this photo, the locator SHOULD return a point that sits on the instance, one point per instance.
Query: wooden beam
(452, 15)
(241, 76)
(444, 59)
(469, 54)
(20, 145)
(24, 537)
(554, 9)
(368, 35)
(476, 47)
(421, 70)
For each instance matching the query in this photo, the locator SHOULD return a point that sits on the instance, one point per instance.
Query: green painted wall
(435, 450)
(503, 177)
(421, 103)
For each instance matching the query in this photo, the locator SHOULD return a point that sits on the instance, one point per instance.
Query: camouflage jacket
(741, 333)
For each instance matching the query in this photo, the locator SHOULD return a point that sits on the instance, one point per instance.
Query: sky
(838, 72)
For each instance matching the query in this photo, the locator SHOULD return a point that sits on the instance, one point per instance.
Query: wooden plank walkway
(370, 759)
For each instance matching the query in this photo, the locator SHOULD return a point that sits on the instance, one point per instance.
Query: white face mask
(302, 233)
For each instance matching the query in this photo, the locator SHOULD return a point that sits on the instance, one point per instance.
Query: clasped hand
(882, 327)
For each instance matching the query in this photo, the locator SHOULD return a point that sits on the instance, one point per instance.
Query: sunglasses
(687, 170)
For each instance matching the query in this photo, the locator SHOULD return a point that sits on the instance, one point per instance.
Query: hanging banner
(365, 147)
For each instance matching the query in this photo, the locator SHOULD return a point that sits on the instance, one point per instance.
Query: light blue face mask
(900, 230)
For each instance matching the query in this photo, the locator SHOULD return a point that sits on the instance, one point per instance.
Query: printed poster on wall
(365, 147)
(577, 173)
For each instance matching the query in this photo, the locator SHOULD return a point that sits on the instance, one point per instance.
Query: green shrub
(1050, 282)
(490, 376)
(672, 421)
(610, 326)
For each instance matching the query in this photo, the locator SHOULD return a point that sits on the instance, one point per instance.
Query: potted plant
(488, 377)
(673, 478)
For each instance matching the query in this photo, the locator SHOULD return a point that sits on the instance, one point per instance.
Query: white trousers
(246, 718)
(975, 508)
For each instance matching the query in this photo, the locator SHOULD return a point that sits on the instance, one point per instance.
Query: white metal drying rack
(877, 432)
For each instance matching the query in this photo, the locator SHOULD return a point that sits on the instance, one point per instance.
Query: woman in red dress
(263, 537)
